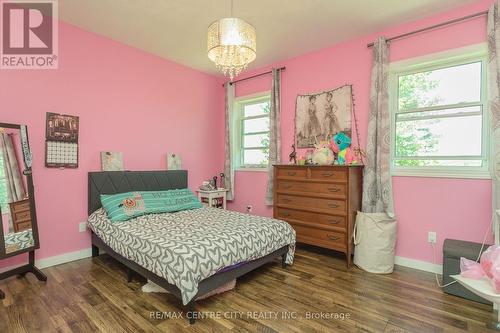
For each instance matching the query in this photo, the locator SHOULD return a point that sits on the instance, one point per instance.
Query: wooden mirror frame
(31, 195)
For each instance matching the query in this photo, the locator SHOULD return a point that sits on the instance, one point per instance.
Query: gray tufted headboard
(112, 182)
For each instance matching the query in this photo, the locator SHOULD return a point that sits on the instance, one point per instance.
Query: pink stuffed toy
(489, 266)
(470, 269)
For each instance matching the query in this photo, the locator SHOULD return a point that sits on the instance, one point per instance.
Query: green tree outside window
(408, 144)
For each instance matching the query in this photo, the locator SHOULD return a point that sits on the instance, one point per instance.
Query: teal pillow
(124, 206)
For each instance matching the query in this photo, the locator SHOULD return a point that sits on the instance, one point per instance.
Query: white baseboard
(419, 264)
(63, 258)
(57, 260)
(87, 253)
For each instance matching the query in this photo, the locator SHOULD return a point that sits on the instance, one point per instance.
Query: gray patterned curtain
(14, 180)
(377, 184)
(275, 133)
(494, 106)
(228, 153)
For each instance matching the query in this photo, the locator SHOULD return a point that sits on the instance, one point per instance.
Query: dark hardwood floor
(92, 295)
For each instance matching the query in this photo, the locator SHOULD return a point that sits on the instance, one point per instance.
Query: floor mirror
(19, 229)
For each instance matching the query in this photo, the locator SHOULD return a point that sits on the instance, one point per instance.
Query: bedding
(189, 246)
(18, 240)
(124, 206)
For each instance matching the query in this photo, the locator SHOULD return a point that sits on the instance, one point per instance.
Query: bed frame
(112, 182)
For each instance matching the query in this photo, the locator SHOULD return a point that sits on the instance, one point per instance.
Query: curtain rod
(432, 27)
(256, 75)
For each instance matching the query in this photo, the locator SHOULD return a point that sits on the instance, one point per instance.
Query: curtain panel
(493, 35)
(228, 151)
(377, 183)
(275, 133)
(13, 178)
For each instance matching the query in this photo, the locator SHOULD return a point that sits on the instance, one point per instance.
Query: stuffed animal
(322, 154)
(340, 145)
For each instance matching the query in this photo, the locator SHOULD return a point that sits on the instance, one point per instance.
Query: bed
(189, 253)
(17, 241)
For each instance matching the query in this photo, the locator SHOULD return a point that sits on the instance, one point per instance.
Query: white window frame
(461, 56)
(237, 131)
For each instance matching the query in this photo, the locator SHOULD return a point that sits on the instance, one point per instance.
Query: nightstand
(213, 198)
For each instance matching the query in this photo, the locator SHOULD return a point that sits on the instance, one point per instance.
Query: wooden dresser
(320, 202)
(21, 215)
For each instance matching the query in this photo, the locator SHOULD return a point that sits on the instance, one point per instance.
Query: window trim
(450, 58)
(237, 132)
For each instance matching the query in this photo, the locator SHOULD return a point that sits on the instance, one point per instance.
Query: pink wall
(128, 101)
(454, 208)
(145, 106)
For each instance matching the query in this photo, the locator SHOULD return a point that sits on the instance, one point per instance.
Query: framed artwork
(174, 162)
(111, 161)
(319, 116)
(61, 141)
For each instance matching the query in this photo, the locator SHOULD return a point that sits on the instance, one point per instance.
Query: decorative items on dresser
(213, 198)
(20, 215)
(320, 202)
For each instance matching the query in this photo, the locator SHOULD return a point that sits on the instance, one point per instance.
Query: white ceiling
(176, 29)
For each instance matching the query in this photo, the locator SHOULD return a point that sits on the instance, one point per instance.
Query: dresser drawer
(22, 216)
(321, 237)
(327, 174)
(332, 205)
(337, 190)
(20, 206)
(22, 226)
(292, 172)
(309, 217)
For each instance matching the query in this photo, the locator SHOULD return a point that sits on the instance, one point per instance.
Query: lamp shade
(231, 45)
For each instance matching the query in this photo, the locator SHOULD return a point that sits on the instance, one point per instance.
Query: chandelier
(231, 45)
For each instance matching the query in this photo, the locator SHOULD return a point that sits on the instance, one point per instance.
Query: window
(439, 118)
(251, 132)
(4, 206)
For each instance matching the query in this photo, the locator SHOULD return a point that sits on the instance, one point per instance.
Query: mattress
(189, 246)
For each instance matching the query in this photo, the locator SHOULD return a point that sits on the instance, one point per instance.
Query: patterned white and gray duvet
(188, 246)
(18, 240)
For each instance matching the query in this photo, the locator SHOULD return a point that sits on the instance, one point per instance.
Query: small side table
(214, 198)
(484, 289)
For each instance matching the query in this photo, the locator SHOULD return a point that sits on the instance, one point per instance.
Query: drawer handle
(334, 189)
(334, 221)
(333, 238)
(327, 174)
(285, 214)
(333, 205)
(292, 173)
(287, 200)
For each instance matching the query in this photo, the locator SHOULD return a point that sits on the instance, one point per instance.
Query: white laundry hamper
(375, 242)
